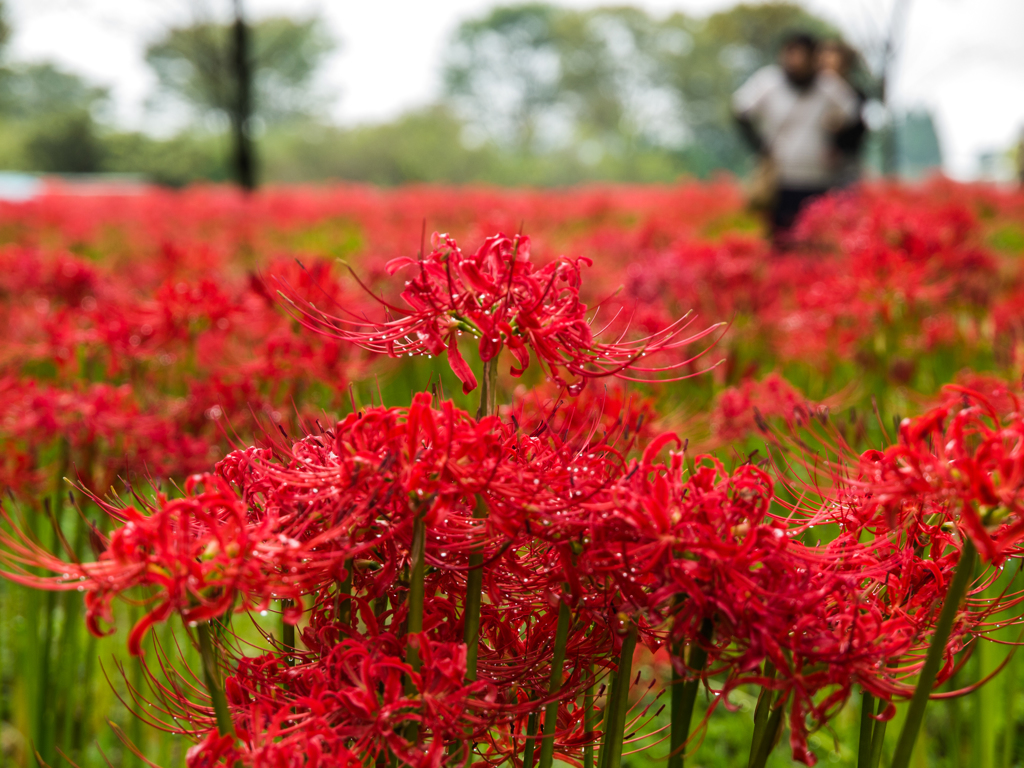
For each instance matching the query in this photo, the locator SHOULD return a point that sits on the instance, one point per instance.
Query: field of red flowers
(432, 475)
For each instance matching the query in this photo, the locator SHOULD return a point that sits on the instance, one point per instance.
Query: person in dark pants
(790, 114)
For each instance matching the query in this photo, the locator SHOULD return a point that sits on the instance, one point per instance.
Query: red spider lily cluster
(464, 588)
(499, 297)
(330, 523)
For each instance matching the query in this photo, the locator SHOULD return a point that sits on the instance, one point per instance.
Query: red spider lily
(962, 463)
(199, 553)
(826, 616)
(568, 520)
(737, 409)
(498, 296)
(340, 496)
(105, 432)
(612, 415)
(349, 496)
(360, 699)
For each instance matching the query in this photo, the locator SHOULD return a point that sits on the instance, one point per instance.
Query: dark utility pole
(241, 115)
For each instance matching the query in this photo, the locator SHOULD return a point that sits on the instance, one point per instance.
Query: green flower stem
(1010, 730)
(488, 389)
(414, 616)
(933, 661)
(68, 652)
(767, 742)
(878, 737)
(867, 726)
(44, 720)
(615, 723)
(602, 755)
(684, 696)
(547, 747)
(588, 719)
(531, 733)
(211, 675)
(287, 632)
(344, 597)
(474, 596)
(761, 712)
(416, 587)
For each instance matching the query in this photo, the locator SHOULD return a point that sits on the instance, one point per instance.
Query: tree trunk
(244, 159)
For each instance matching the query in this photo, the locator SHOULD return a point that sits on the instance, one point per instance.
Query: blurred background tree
(194, 69)
(48, 117)
(533, 93)
(252, 74)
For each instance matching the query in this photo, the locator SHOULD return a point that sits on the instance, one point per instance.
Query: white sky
(962, 58)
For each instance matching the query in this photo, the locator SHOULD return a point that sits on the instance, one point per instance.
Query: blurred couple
(803, 118)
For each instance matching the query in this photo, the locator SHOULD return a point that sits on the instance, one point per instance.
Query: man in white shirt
(790, 113)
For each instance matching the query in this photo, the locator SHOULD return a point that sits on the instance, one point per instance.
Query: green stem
(414, 616)
(68, 653)
(615, 728)
(211, 675)
(767, 743)
(547, 747)
(878, 736)
(44, 736)
(588, 718)
(867, 726)
(135, 728)
(531, 733)
(380, 607)
(43, 742)
(1010, 728)
(474, 596)
(78, 732)
(602, 755)
(416, 587)
(933, 661)
(414, 607)
(344, 596)
(761, 712)
(684, 697)
(488, 389)
(287, 632)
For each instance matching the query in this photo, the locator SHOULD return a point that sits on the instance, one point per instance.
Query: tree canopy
(194, 66)
(40, 90)
(538, 77)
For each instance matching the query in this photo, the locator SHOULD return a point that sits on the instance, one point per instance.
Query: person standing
(848, 142)
(790, 114)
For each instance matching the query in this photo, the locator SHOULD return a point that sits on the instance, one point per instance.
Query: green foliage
(194, 66)
(48, 122)
(43, 90)
(67, 143)
(426, 146)
(173, 162)
(535, 78)
(503, 70)
(417, 147)
(5, 28)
